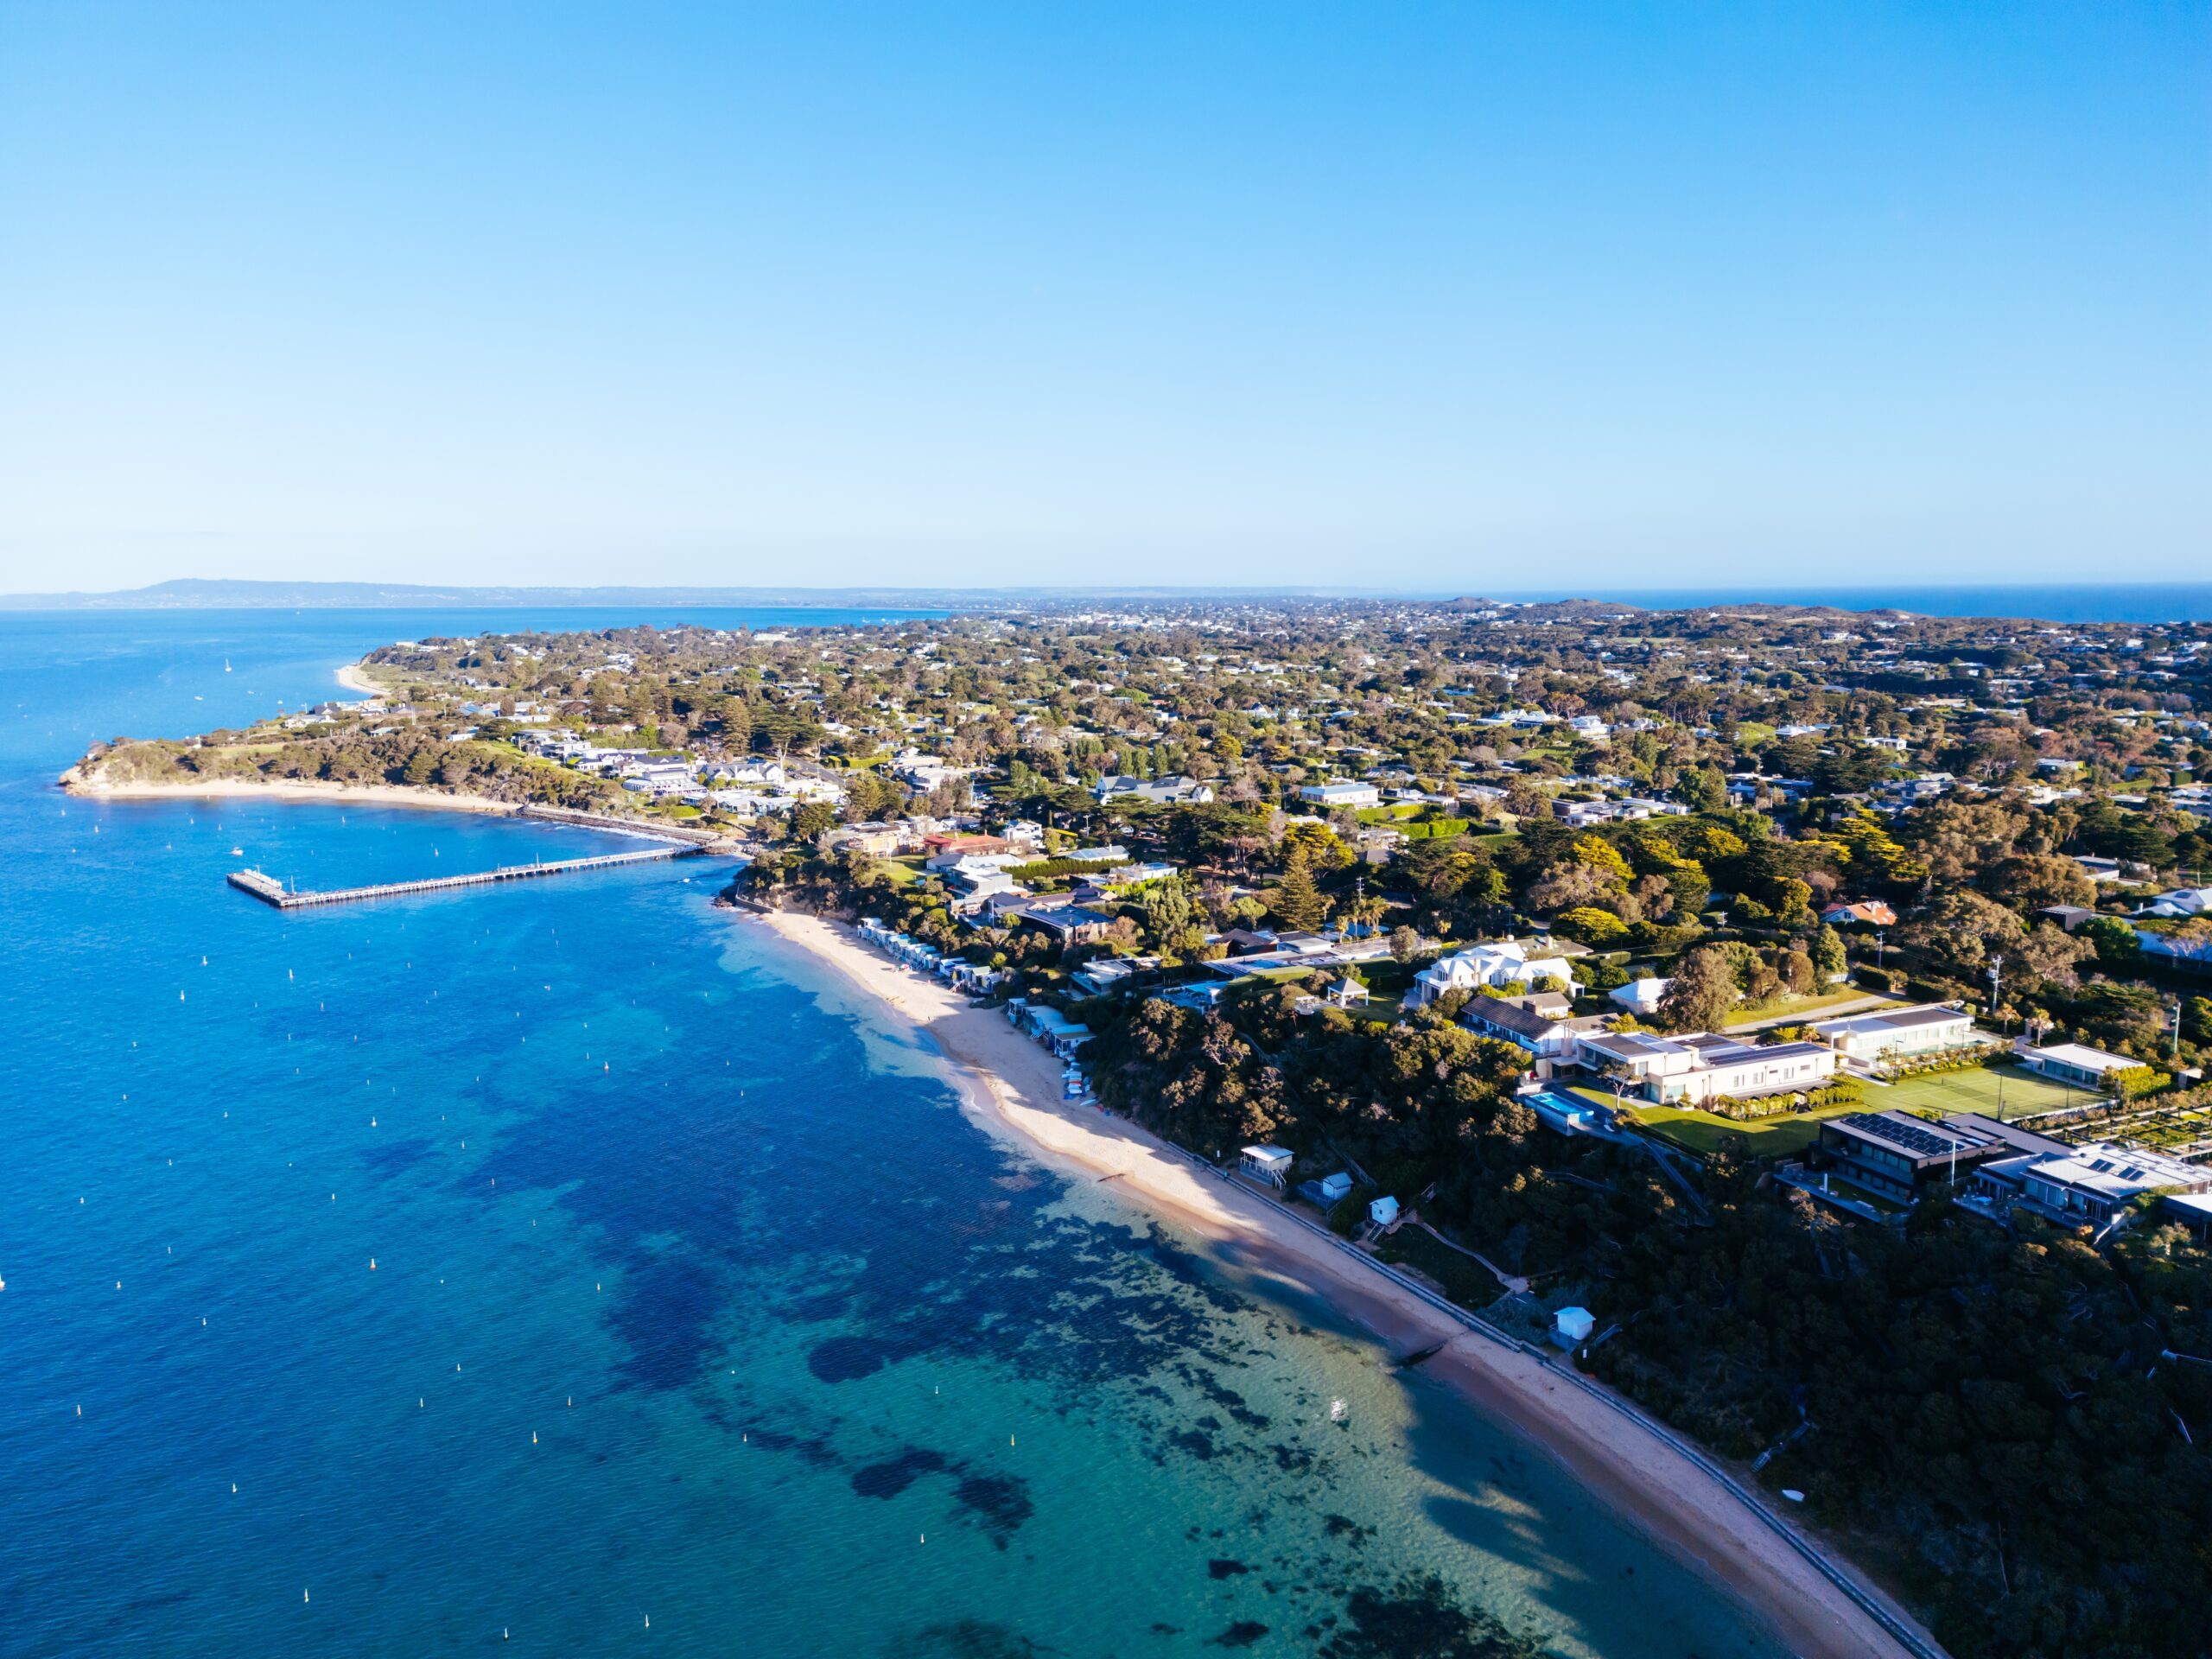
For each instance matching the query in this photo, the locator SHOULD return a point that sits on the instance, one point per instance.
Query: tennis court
(1999, 1092)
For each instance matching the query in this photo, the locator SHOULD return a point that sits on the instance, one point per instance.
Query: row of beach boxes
(1047, 1025)
(928, 959)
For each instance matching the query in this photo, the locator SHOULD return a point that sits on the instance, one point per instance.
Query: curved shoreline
(354, 679)
(285, 788)
(315, 792)
(1012, 1087)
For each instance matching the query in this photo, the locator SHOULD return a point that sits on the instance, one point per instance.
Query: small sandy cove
(1009, 1081)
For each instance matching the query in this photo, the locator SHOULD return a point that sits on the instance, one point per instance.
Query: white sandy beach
(285, 788)
(1012, 1083)
(352, 679)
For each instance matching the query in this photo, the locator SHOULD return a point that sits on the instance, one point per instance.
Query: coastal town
(1794, 1019)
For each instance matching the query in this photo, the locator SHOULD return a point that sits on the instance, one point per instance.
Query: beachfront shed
(1383, 1212)
(1269, 1164)
(1336, 1186)
(1573, 1326)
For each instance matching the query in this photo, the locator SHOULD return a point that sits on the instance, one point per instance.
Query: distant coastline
(2143, 602)
(1013, 1086)
(2129, 602)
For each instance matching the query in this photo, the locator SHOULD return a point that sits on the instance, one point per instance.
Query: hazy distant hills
(2134, 603)
(196, 594)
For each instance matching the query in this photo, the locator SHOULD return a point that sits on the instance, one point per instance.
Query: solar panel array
(1911, 1136)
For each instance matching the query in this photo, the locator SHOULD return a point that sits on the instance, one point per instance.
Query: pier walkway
(270, 891)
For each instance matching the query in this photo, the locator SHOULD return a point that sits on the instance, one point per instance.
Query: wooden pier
(270, 891)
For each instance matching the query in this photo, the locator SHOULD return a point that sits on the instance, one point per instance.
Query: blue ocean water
(572, 1264)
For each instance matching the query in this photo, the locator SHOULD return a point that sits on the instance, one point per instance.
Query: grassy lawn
(2003, 1092)
(519, 757)
(904, 873)
(1386, 977)
(1995, 1091)
(1783, 1135)
(1791, 1009)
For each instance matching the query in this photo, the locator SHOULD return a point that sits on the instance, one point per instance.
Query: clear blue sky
(1466, 296)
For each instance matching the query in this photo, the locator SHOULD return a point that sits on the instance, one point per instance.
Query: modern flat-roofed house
(1691, 1070)
(1503, 962)
(1069, 924)
(950, 848)
(1340, 791)
(2075, 1062)
(1008, 907)
(1161, 791)
(881, 840)
(2088, 1184)
(1105, 975)
(1199, 999)
(1899, 1033)
(1899, 1155)
(981, 887)
(2192, 1209)
(1119, 877)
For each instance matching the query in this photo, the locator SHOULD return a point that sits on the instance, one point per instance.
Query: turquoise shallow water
(702, 1321)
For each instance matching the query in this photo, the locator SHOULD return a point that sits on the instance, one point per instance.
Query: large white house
(1161, 791)
(1340, 791)
(1503, 963)
(1687, 1070)
(1900, 1034)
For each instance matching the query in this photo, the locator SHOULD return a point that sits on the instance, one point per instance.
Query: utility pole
(1996, 979)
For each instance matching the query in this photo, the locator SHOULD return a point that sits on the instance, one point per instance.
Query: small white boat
(237, 852)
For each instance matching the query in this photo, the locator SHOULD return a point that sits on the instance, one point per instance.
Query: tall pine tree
(1296, 901)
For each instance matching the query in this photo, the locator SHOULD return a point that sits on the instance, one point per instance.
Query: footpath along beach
(1011, 1084)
